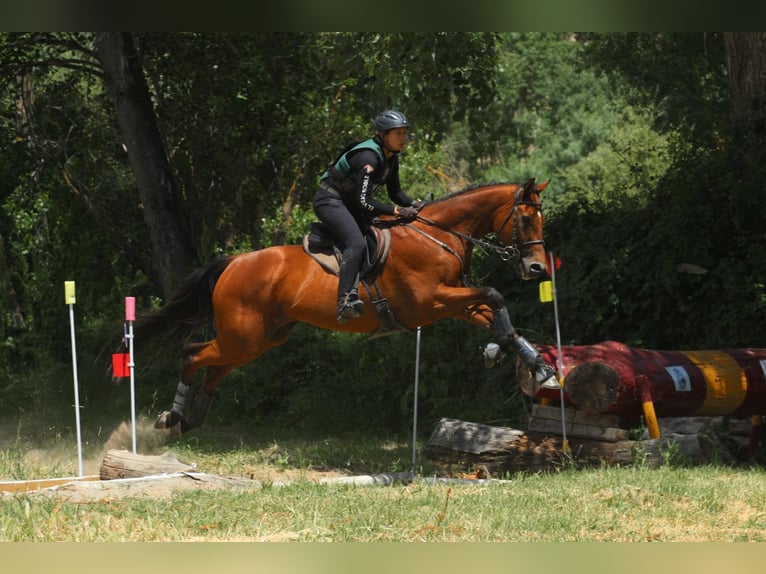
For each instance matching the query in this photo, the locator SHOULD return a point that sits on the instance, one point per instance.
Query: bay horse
(256, 298)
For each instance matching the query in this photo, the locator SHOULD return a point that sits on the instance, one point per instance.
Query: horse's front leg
(477, 303)
(505, 334)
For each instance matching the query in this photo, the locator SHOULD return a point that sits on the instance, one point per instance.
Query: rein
(506, 252)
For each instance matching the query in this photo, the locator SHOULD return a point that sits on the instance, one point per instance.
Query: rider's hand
(408, 213)
(417, 204)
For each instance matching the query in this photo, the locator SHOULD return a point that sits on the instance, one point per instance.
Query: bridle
(506, 252)
(516, 203)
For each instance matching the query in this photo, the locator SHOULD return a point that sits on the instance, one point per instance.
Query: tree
(746, 64)
(155, 181)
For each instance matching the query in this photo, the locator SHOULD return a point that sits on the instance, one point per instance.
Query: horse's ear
(542, 186)
(529, 186)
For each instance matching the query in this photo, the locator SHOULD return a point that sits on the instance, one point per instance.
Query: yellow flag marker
(69, 297)
(546, 291)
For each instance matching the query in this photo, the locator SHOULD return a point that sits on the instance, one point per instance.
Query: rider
(344, 201)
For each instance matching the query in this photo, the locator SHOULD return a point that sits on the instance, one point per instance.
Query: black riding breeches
(348, 232)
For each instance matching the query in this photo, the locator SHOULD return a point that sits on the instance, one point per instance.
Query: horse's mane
(472, 187)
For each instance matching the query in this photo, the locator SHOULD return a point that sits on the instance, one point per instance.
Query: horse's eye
(526, 220)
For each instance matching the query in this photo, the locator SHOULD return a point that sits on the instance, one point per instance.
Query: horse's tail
(189, 308)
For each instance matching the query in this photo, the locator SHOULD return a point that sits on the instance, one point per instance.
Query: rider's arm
(364, 165)
(394, 187)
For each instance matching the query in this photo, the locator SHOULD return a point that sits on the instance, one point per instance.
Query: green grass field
(673, 503)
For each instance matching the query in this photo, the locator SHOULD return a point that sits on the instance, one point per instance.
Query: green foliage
(630, 129)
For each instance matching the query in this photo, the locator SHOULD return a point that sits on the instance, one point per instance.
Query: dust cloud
(149, 440)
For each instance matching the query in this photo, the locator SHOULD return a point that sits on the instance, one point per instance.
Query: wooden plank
(40, 484)
(572, 414)
(551, 426)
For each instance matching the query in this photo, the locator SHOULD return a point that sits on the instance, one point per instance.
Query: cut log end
(593, 387)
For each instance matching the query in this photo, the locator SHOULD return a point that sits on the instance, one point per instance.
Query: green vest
(338, 172)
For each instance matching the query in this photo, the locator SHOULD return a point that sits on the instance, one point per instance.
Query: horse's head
(521, 228)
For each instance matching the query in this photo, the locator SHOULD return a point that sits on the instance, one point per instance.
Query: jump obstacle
(613, 378)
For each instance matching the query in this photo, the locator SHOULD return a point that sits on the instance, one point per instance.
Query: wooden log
(474, 438)
(535, 452)
(688, 448)
(464, 446)
(604, 378)
(124, 464)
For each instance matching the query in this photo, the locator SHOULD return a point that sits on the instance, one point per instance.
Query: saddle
(320, 245)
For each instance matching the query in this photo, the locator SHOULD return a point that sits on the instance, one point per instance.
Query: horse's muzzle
(530, 269)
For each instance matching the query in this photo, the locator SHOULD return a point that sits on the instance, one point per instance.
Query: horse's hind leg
(204, 397)
(175, 418)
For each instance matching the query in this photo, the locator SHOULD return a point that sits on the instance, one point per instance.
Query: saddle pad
(329, 259)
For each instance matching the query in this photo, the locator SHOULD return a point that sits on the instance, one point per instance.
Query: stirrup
(350, 307)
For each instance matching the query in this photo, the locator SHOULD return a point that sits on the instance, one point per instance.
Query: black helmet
(389, 120)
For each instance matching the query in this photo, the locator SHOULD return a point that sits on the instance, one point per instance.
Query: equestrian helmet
(389, 120)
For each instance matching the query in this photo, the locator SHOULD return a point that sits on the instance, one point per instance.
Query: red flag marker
(120, 365)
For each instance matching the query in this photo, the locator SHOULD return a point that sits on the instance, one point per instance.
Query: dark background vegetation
(128, 159)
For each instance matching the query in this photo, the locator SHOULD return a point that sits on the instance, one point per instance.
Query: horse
(257, 297)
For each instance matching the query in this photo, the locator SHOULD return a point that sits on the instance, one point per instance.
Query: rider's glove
(408, 213)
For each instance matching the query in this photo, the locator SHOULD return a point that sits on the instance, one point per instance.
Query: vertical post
(415, 407)
(647, 405)
(755, 430)
(130, 316)
(559, 360)
(70, 299)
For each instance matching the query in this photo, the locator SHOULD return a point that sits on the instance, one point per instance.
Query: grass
(617, 505)
(673, 503)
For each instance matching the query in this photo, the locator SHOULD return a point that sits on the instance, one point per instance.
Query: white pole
(415, 407)
(69, 296)
(130, 316)
(559, 361)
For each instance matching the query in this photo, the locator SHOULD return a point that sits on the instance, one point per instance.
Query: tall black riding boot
(349, 304)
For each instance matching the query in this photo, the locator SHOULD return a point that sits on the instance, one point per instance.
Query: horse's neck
(473, 216)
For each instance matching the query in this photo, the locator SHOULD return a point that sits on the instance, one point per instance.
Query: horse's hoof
(492, 355)
(545, 376)
(167, 419)
(551, 383)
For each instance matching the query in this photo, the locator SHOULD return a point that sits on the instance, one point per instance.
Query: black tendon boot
(349, 304)
(545, 376)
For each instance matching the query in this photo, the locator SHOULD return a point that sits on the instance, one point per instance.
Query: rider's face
(395, 139)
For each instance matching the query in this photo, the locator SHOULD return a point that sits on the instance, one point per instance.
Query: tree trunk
(172, 250)
(746, 62)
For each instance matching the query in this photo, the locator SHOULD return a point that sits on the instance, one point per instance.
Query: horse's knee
(495, 299)
(503, 328)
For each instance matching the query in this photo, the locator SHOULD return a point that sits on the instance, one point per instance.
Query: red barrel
(602, 378)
